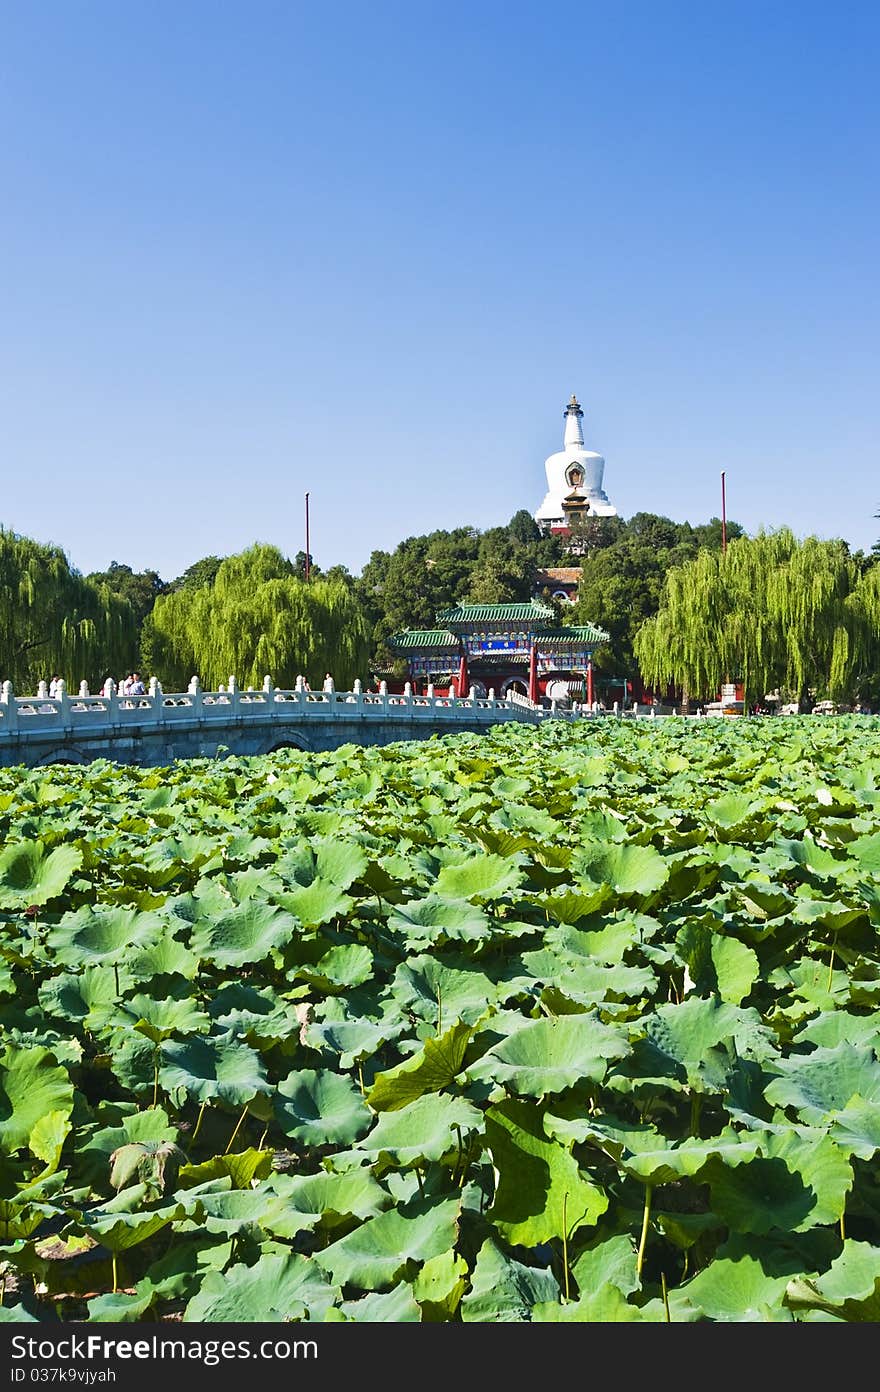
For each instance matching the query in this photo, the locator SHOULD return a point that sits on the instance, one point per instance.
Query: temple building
(502, 647)
(560, 582)
(574, 480)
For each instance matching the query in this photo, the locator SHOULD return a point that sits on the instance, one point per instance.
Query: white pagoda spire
(574, 476)
(573, 438)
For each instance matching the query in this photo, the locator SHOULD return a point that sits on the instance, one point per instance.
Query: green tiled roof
(589, 633)
(495, 613)
(416, 638)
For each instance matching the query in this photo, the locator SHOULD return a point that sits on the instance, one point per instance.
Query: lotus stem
(565, 1245)
(199, 1119)
(263, 1137)
(649, 1189)
(156, 1078)
(842, 1227)
(695, 1114)
(665, 1296)
(361, 1077)
(439, 1011)
(115, 1274)
(237, 1129)
(831, 964)
(116, 976)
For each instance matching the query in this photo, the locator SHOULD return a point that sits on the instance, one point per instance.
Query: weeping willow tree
(773, 612)
(257, 618)
(53, 622)
(865, 605)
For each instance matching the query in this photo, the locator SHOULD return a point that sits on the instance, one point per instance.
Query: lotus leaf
(504, 1290)
(29, 877)
(379, 1252)
(430, 1070)
(541, 1193)
(797, 1182)
(426, 1129)
(92, 936)
(219, 1067)
(278, 1288)
(434, 919)
(31, 1085)
(849, 1289)
(320, 1108)
(548, 1056)
(245, 934)
(396, 1306)
(480, 877)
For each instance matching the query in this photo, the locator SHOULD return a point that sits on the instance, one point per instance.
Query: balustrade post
(429, 691)
(491, 697)
(195, 692)
(234, 695)
(383, 692)
(407, 693)
(7, 699)
(42, 691)
(84, 689)
(108, 691)
(157, 696)
(64, 702)
(357, 688)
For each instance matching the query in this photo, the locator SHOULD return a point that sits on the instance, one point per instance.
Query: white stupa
(574, 479)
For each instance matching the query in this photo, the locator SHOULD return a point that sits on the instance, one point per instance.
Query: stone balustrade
(160, 726)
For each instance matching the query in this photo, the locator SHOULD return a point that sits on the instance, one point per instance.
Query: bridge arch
(274, 744)
(66, 754)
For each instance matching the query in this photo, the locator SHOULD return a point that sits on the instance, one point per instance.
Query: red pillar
(590, 683)
(463, 688)
(533, 674)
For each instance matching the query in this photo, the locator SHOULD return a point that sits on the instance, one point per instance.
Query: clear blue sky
(369, 250)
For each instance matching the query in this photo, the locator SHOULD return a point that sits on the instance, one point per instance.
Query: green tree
(405, 588)
(504, 570)
(53, 621)
(623, 575)
(773, 612)
(257, 618)
(140, 588)
(523, 528)
(197, 576)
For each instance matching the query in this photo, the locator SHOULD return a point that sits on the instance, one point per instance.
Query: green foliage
(258, 617)
(774, 611)
(571, 1024)
(55, 622)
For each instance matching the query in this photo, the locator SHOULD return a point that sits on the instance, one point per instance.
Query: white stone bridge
(159, 727)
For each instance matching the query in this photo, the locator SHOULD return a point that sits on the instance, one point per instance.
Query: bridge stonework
(158, 728)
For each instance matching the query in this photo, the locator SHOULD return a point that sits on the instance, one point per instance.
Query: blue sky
(369, 250)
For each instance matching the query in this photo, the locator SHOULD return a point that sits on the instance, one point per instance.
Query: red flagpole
(308, 562)
(723, 515)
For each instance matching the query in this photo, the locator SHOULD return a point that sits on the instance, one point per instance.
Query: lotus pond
(571, 1024)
